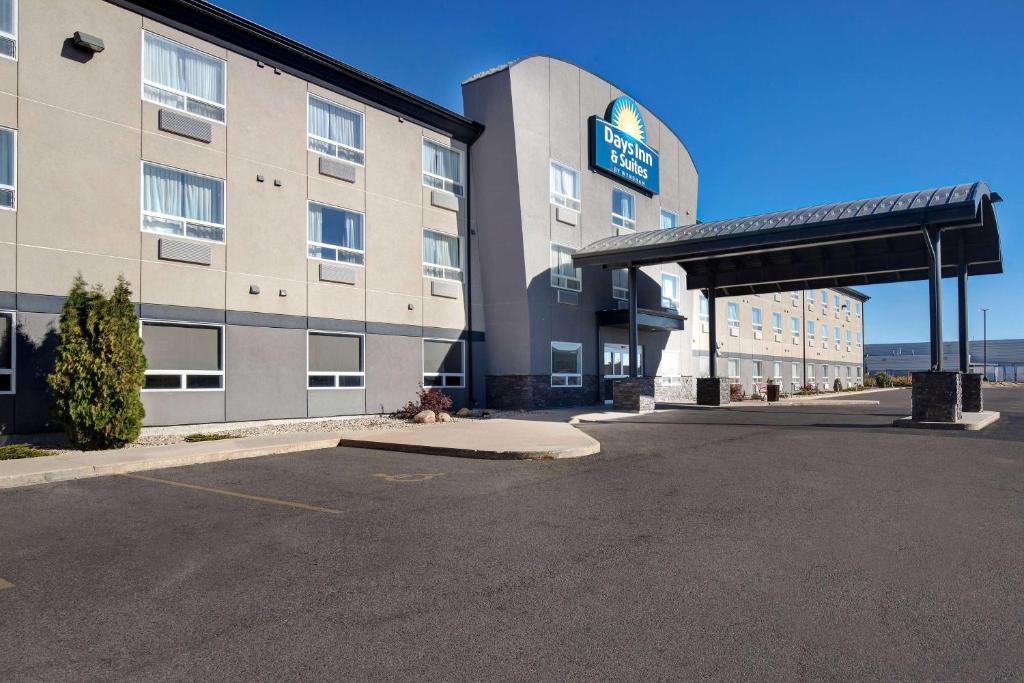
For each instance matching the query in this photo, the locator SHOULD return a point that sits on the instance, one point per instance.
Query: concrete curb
(972, 422)
(496, 439)
(47, 469)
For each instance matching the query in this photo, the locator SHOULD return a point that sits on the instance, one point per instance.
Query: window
(669, 371)
(810, 329)
(444, 363)
(858, 339)
(180, 203)
(334, 360)
(704, 312)
(733, 369)
(441, 255)
(856, 308)
(846, 305)
(755, 319)
(623, 210)
(824, 334)
(8, 166)
(566, 364)
(809, 295)
(794, 326)
(860, 373)
(849, 337)
(668, 220)
(183, 356)
(335, 130)
(442, 167)
(824, 299)
(183, 78)
(670, 291)
(777, 323)
(563, 274)
(758, 372)
(335, 234)
(7, 352)
(838, 335)
(9, 28)
(565, 186)
(795, 372)
(777, 370)
(620, 284)
(824, 373)
(849, 374)
(835, 301)
(810, 373)
(733, 316)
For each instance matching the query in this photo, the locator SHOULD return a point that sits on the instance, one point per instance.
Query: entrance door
(616, 366)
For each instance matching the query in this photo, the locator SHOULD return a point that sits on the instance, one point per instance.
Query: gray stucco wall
(265, 373)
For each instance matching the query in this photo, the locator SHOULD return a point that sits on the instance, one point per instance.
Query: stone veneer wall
(684, 392)
(532, 392)
(936, 397)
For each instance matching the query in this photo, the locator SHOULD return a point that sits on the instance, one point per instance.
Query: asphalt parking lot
(751, 543)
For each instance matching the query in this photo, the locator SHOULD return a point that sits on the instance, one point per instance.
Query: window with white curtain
(334, 360)
(732, 369)
(668, 220)
(856, 309)
(810, 373)
(566, 364)
(670, 291)
(335, 234)
(777, 323)
(795, 298)
(8, 167)
(849, 337)
(794, 326)
(564, 275)
(824, 335)
(669, 370)
(620, 284)
(176, 202)
(858, 339)
(733, 314)
(565, 186)
(183, 78)
(755, 319)
(7, 364)
(623, 210)
(837, 335)
(9, 29)
(810, 329)
(705, 311)
(758, 372)
(824, 299)
(777, 370)
(444, 363)
(183, 356)
(335, 130)
(441, 257)
(442, 167)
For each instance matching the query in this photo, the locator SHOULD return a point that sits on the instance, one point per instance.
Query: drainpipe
(469, 279)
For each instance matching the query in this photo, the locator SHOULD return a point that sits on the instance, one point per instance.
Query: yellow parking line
(408, 477)
(5, 584)
(235, 494)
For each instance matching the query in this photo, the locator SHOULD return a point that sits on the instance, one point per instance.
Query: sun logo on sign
(625, 115)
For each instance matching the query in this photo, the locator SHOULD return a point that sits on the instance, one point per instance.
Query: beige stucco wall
(84, 130)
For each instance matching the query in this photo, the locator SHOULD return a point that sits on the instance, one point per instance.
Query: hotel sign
(619, 146)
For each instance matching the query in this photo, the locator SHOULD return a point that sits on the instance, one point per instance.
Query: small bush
(882, 379)
(901, 381)
(426, 399)
(99, 368)
(19, 451)
(202, 436)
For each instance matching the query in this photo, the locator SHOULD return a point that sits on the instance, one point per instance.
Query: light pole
(984, 343)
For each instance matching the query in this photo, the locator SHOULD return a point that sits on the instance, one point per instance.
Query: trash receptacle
(773, 392)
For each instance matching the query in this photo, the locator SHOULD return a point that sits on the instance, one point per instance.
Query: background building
(1005, 358)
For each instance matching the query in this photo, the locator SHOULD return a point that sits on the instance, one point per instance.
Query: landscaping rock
(444, 417)
(424, 417)
(462, 412)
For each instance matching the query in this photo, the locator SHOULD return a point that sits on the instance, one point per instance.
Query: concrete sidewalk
(80, 465)
(494, 439)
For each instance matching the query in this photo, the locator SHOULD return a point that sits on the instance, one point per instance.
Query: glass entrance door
(615, 365)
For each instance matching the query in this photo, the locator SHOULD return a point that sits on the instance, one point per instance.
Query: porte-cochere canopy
(861, 242)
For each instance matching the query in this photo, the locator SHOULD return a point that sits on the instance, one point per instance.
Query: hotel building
(303, 239)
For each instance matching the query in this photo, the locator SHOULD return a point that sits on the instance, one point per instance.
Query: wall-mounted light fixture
(85, 41)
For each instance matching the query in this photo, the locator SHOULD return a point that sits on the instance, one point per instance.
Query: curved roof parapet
(860, 242)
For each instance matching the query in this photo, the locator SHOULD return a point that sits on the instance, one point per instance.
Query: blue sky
(780, 104)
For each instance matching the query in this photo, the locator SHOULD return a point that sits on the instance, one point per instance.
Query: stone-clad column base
(937, 397)
(712, 391)
(635, 394)
(972, 400)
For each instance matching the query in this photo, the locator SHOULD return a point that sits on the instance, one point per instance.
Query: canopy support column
(934, 236)
(962, 302)
(634, 332)
(712, 332)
